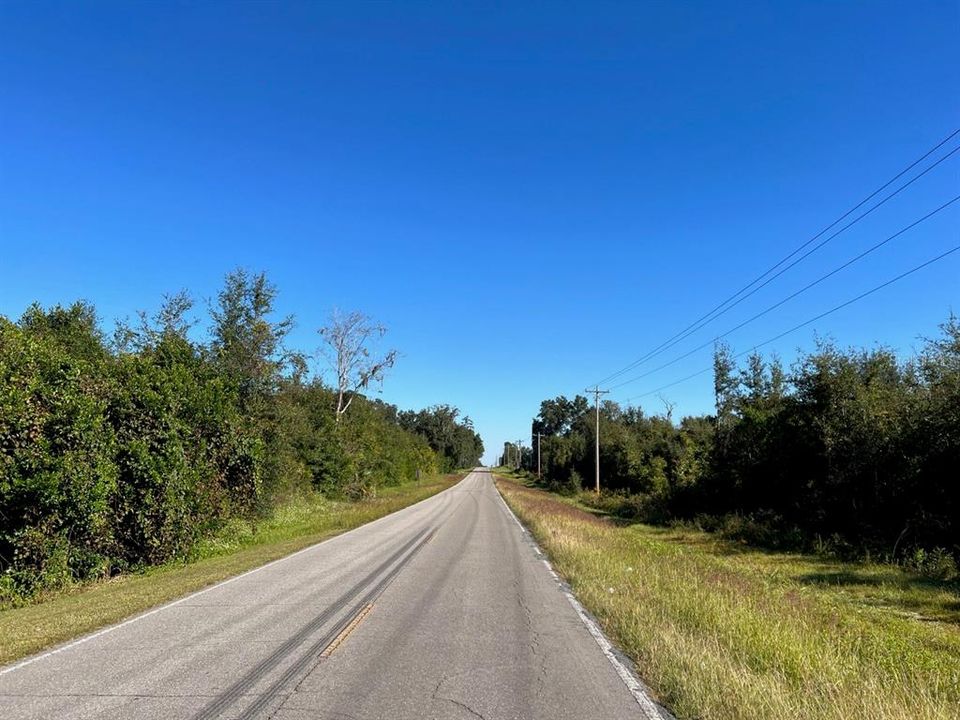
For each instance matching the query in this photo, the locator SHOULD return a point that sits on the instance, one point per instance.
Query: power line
(802, 290)
(714, 314)
(819, 245)
(822, 315)
(710, 316)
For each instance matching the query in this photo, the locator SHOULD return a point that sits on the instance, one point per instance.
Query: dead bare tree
(348, 338)
(668, 406)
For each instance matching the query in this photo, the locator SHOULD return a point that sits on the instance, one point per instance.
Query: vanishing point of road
(442, 610)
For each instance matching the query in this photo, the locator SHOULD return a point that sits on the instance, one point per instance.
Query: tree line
(122, 451)
(851, 450)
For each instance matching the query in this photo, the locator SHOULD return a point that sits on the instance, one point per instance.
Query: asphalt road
(442, 610)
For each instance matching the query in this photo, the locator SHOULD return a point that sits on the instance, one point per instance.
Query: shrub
(938, 564)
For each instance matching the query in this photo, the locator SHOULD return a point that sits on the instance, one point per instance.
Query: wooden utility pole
(538, 456)
(597, 392)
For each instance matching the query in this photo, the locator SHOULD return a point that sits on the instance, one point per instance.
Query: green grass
(723, 631)
(240, 546)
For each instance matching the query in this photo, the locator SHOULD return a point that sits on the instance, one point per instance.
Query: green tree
(247, 343)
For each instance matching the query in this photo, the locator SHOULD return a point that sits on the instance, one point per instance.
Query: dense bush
(57, 447)
(185, 457)
(124, 453)
(855, 446)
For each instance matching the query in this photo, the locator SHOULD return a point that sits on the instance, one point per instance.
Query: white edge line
(636, 688)
(136, 618)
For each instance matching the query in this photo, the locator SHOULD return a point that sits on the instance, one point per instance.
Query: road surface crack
(534, 634)
(437, 696)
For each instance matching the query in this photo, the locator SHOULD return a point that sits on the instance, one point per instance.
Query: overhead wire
(791, 296)
(736, 298)
(798, 260)
(812, 320)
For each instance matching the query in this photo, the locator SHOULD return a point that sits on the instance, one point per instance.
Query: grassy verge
(722, 631)
(240, 546)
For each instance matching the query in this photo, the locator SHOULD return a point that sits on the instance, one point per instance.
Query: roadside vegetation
(241, 544)
(850, 453)
(724, 631)
(123, 452)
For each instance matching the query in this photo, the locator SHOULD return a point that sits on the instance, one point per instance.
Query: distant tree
(455, 441)
(347, 340)
(778, 379)
(668, 406)
(74, 329)
(725, 384)
(754, 378)
(168, 323)
(558, 415)
(247, 344)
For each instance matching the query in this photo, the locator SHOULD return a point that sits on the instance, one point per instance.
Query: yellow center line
(351, 626)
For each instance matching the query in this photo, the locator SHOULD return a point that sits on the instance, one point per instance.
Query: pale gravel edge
(649, 707)
(129, 621)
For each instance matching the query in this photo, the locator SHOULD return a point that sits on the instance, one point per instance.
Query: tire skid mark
(240, 687)
(232, 694)
(313, 656)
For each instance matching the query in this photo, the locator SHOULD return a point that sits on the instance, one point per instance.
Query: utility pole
(538, 455)
(519, 454)
(597, 392)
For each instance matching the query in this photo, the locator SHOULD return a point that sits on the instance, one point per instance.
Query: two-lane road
(441, 610)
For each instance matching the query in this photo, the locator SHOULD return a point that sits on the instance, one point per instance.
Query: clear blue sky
(529, 195)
